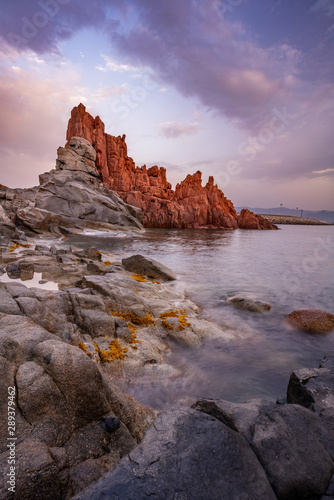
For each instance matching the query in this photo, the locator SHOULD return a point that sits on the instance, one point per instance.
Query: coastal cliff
(191, 205)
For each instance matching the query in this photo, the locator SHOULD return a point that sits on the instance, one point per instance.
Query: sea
(290, 269)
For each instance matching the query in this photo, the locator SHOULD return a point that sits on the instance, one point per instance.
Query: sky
(239, 89)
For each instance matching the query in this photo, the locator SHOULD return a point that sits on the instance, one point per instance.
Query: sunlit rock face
(190, 205)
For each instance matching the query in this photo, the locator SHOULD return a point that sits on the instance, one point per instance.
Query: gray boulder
(293, 444)
(142, 265)
(313, 388)
(288, 442)
(186, 455)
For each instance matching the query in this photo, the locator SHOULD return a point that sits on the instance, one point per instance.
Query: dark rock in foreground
(218, 450)
(190, 455)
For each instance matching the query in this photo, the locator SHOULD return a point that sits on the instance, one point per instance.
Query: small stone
(110, 424)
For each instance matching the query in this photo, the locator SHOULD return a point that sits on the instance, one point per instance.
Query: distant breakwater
(290, 219)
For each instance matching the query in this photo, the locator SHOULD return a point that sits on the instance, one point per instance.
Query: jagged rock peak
(190, 205)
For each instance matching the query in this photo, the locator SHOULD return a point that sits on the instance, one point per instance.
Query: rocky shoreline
(93, 322)
(66, 353)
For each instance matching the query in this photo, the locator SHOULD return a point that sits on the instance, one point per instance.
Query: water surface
(290, 269)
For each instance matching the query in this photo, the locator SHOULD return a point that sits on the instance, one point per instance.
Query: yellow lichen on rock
(134, 339)
(136, 320)
(82, 346)
(17, 245)
(107, 263)
(114, 351)
(166, 325)
(178, 314)
(139, 277)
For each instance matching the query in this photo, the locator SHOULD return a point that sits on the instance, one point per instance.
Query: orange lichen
(114, 351)
(139, 277)
(142, 279)
(3, 187)
(134, 339)
(82, 346)
(107, 263)
(136, 320)
(183, 323)
(17, 245)
(167, 325)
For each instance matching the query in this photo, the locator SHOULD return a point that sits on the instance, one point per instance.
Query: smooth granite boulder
(187, 455)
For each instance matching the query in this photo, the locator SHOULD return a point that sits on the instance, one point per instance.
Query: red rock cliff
(190, 205)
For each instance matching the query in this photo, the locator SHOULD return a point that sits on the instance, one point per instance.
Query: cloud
(325, 171)
(188, 44)
(173, 130)
(111, 65)
(107, 92)
(41, 25)
(34, 110)
(324, 6)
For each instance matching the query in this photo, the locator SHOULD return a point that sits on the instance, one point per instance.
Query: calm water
(291, 269)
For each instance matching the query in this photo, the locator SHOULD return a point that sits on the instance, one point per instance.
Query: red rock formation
(190, 205)
(249, 220)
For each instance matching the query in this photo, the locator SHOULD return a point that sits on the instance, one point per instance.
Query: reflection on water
(37, 281)
(290, 269)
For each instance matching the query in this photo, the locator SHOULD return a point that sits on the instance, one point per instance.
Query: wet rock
(2, 271)
(142, 265)
(311, 320)
(248, 304)
(182, 455)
